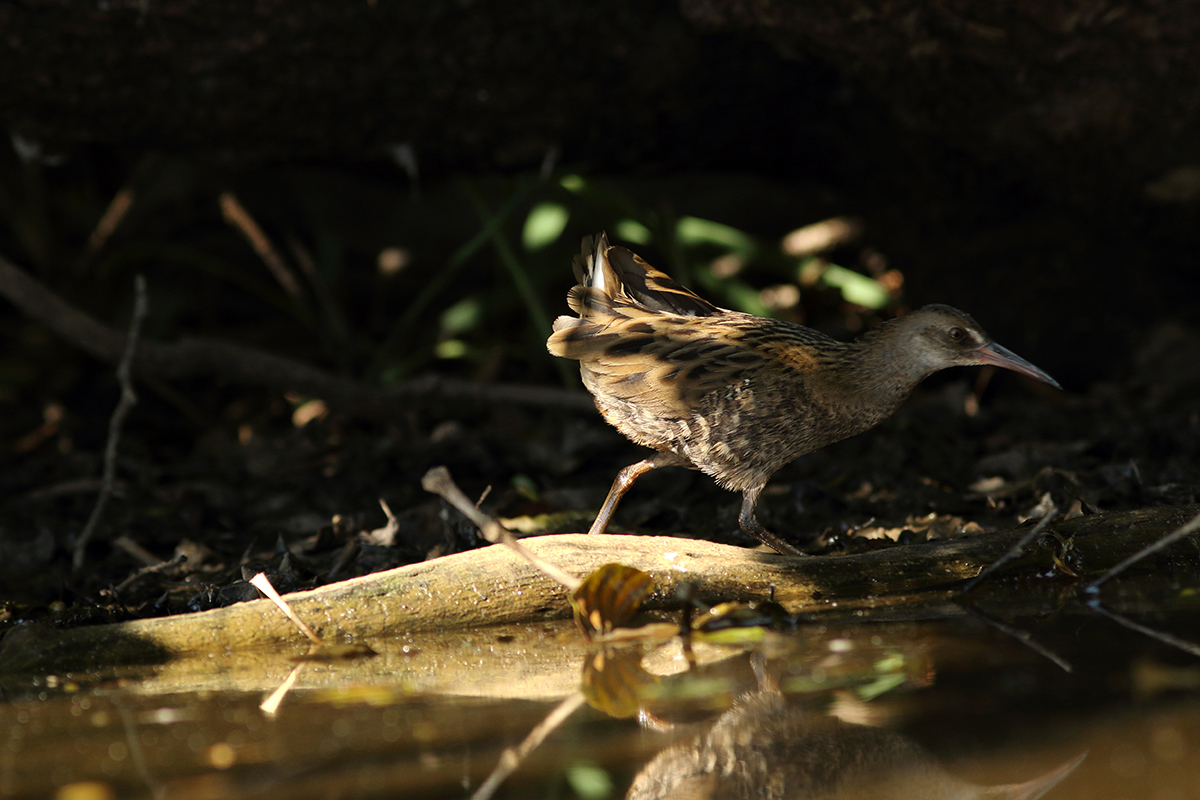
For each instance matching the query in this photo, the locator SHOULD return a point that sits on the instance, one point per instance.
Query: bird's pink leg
(625, 479)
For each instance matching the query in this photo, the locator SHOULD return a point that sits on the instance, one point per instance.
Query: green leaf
(589, 781)
(544, 225)
(856, 288)
(693, 231)
(451, 348)
(572, 183)
(462, 316)
(633, 231)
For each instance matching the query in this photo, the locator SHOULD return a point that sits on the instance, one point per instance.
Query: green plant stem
(520, 277)
(446, 274)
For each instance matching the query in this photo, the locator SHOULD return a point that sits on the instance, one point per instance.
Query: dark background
(1037, 157)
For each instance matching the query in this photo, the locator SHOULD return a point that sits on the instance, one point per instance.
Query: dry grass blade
(270, 706)
(320, 651)
(117, 209)
(438, 481)
(263, 584)
(236, 215)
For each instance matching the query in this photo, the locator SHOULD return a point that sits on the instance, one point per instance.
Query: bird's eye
(957, 334)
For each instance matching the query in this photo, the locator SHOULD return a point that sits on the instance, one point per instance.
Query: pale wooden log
(493, 586)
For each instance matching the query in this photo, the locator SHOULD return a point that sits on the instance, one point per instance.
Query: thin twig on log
(1187, 529)
(194, 357)
(127, 401)
(439, 482)
(1092, 590)
(1016, 552)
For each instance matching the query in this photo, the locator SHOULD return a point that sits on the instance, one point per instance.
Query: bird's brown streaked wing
(665, 364)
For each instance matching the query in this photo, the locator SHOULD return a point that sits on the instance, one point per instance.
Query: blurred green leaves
(480, 266)
(692, 231)
(855, 287)
(590, 781)
(633, 231)
(543, 226)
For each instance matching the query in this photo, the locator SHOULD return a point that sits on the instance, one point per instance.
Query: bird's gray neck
(881, 371)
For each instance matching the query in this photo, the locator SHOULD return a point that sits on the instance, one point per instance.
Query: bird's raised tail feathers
(616, 285)
(612, 278)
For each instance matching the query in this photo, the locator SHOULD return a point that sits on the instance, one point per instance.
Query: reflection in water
(431, 717)
(762, 748)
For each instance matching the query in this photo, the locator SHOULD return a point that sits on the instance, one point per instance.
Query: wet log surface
(493, 586)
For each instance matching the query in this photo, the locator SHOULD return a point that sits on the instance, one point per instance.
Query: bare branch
(127, 401)
(208, 357)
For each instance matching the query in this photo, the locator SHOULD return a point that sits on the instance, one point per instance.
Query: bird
(737, 396)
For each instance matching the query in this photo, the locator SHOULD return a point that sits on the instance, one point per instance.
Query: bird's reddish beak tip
(997, 356)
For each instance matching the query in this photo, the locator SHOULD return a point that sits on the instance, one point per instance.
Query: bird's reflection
(763, 748)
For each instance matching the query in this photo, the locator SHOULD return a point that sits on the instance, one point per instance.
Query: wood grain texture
(493, 586)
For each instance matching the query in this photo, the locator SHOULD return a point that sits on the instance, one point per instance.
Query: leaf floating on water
(740, 623)
(609, 597)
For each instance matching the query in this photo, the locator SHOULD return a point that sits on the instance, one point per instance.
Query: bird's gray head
(938, 336)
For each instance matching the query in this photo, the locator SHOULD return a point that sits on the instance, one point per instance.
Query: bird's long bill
(994, 354)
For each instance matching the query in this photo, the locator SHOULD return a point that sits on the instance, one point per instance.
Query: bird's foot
(752, 526)
(755, 529)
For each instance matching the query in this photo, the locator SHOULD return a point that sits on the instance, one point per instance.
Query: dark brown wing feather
(653, 289)
(612, 277)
